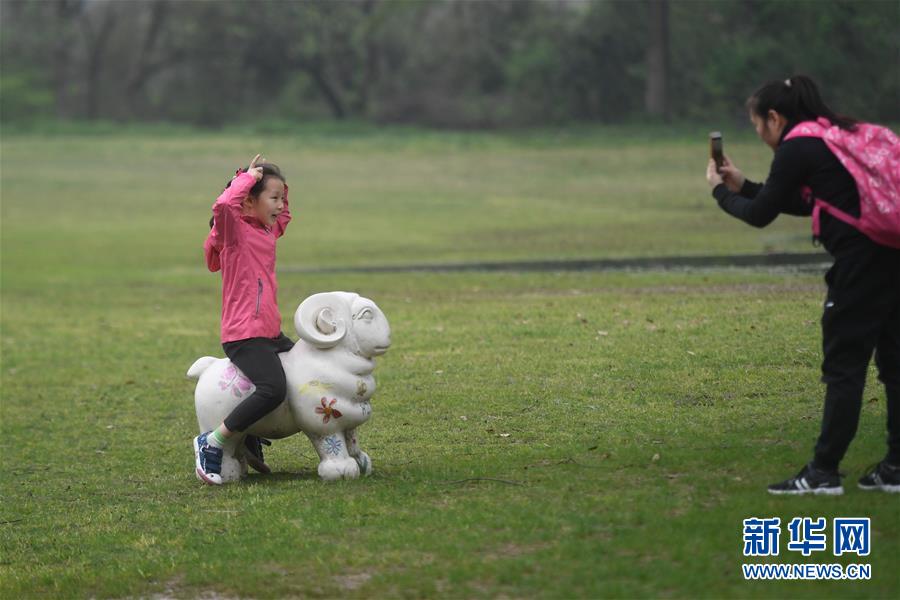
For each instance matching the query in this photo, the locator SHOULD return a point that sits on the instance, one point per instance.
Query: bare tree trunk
(370, 59)
(656, 98)
(328, 91)
(314, 67)
(144, 68)
(96, 44)
(62, 50)
(61, 77)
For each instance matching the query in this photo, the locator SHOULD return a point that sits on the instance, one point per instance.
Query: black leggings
(861, 315)
(258, 359)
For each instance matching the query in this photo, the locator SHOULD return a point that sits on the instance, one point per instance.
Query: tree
(153, 57)
(656, 97)
(438, 63)
(97, 23)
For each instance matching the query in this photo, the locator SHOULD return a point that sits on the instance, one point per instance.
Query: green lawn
(534, 435)
(375, 199)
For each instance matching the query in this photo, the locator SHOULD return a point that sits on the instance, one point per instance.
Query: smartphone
(715, 149)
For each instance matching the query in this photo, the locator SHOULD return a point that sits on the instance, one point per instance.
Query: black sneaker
(254, 453)
(810, 480)
(883, 477)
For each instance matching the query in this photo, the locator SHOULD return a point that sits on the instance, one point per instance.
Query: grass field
(534, 435)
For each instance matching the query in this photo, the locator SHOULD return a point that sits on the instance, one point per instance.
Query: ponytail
(798, 99)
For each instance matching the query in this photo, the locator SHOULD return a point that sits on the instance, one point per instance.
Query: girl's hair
(269, 170)
(798, 99)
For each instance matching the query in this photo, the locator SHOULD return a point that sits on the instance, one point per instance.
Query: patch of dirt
(352, 581)
(512, 550)
(172, 591)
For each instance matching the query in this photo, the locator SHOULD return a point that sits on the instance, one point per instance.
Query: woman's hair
(798, 99)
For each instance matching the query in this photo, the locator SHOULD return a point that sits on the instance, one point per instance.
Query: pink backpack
(872, 156)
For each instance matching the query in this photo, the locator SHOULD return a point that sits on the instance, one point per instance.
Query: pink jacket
(244, 249)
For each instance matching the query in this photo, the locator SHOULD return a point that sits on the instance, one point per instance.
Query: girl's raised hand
(254, 170)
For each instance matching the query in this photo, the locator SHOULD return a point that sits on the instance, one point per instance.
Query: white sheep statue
(329, 384)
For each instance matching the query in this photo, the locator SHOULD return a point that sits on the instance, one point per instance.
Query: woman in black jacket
(862, 309)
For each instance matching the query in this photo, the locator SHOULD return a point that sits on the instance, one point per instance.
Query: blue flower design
(333, 445)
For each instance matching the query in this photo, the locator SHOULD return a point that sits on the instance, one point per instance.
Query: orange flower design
(327, 409)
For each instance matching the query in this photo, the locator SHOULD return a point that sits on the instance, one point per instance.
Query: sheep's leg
(334, 461)
(353, 449)
(234, 465)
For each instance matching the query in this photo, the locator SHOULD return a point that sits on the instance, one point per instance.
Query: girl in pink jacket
(248, 218)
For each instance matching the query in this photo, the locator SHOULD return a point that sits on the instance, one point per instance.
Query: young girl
(248, 218)
(862, 308)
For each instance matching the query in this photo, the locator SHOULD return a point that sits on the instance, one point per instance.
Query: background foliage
(438, 63)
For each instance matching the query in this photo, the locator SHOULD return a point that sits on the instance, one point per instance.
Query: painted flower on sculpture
(227, 377)
(241, 386)
(234, 379)
(333, 445)
(327, 409)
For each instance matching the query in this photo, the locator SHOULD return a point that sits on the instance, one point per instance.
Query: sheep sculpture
(329, 385)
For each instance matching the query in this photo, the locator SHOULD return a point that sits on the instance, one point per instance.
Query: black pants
(861, 315)
(258, 359)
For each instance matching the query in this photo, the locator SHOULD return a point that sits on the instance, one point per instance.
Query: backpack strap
(836, 213)
(816, 129)
(818, 206)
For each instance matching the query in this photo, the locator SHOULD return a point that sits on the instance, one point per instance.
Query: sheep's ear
(317, 320)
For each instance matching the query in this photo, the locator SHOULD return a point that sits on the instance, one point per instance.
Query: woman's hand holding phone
(731, 176)
(712, 174)
(728, 174)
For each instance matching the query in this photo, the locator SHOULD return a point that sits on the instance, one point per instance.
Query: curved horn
(319, 320)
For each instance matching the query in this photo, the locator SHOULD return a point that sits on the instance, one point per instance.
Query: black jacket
(798, 162)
